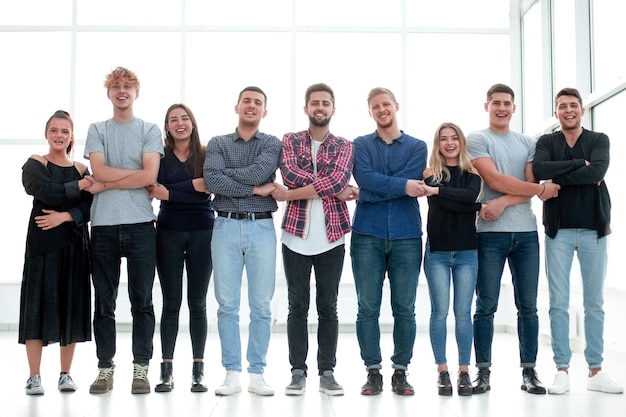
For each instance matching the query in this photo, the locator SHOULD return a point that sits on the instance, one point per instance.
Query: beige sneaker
(104, 381)
(141, 385)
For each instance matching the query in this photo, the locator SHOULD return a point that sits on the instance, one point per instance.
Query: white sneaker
(258, 385)
(33, 386)
(66, 384)
(230, 385)
(603, 383)
(560, 384)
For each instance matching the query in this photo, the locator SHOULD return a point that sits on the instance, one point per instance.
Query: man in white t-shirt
(316, 167)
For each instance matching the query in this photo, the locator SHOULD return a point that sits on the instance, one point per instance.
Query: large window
(437, 57)
(609, 33)
(607, 118)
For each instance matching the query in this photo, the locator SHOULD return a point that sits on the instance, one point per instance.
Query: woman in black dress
(55, 304)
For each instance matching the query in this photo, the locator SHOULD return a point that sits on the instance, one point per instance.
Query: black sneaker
(464, 384)
(374, 384)
(444, 386)
(399, 384)
(481, 383)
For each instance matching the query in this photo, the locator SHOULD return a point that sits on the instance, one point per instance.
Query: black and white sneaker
(66, 384)
(33, 386)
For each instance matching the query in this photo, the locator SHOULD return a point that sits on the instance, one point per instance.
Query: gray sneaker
(141, 385)
(104, 381)
(328, 385)
(66, 384)
(298, 383)
(33, 386)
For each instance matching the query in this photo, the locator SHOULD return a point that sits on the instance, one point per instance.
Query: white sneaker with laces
(258, 385)
(603, 383)
(66, 384)
(560, 384)
(230, 385)
(33, 386)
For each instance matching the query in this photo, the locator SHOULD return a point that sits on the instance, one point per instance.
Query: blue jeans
(439, 267)
(328, 267)
(592, 256)
(109, 244)
(235, 244)
(401, 260)
(521, 250)
(191, 251)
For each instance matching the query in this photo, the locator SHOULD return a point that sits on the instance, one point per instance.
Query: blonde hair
(437, 161)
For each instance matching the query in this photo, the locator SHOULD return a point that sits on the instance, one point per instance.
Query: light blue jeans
(592, 256)
(235, 244)
(442, 268)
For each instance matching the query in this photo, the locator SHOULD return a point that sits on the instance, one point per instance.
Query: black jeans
(328, 267)
(109, 244)
(191, 250)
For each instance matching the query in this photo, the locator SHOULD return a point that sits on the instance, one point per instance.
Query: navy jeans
(192, 251)
(328, 267)
(400, 260)
(521, 250)
(109, 244)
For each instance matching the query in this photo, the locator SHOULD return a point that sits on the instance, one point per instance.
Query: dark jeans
(191, 250)
(109, 244)
(521, 250)
(372, 259)
(328, 267)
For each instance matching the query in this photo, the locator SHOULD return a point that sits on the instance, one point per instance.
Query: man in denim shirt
(387, 238)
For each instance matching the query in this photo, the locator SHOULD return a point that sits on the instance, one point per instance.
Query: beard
(319, 123)
(384, 125)
(249, 124)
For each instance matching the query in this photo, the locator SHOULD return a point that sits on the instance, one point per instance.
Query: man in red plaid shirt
(316, 167)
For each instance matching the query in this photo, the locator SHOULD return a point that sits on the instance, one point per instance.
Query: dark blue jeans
(521, 250)
(109, 244)
(400, 260)
(192, 251)
(328, 267)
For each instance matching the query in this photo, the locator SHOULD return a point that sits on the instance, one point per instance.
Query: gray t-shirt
(123, 145)
(510, 153)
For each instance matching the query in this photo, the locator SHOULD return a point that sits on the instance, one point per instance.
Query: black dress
(55, 304)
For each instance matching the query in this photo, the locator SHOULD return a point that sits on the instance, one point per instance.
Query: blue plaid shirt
(233, 167)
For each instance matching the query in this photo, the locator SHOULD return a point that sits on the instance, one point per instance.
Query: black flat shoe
(464, 384)
(444, 386)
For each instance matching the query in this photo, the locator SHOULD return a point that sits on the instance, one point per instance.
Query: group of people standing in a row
(479, 217)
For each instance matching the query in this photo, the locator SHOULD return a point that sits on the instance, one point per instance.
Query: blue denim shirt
(381, 171)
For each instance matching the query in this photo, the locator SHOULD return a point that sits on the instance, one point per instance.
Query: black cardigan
(549, 163)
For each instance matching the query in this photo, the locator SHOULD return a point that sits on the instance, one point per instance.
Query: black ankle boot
(167, 380)
(197, 378)
(481, 383)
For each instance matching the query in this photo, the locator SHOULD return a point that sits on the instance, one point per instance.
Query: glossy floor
(505, 398)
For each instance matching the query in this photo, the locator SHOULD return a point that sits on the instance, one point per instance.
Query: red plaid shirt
(335, 159)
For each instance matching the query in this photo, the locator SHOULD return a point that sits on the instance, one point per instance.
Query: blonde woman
(452, 186)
